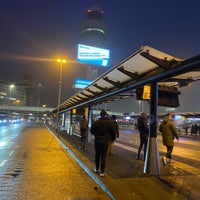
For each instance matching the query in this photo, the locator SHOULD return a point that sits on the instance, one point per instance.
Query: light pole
(38, 105)
(11, 86)
(61, 61)
(39, 86)
(9, 103)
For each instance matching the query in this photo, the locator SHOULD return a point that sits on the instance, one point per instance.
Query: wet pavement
(39, 168)
(49, 165)
(125, 178)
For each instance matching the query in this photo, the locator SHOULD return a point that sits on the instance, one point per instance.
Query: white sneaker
(164, 160)
(96, 171)
(169, 161)
(102, 174)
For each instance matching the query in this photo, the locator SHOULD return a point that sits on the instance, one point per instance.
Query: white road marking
(2, 163)
(11, 153)
(126, 147)
(192, 154)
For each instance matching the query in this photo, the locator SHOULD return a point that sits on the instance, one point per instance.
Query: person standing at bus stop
(116, 129)
(144, 132)
(169, 132)
(83, 131)
(103, 132)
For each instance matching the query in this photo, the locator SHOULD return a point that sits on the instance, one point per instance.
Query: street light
(9, 102)
(39, 86)
(11, 86)
(61, 61)
(38, 104)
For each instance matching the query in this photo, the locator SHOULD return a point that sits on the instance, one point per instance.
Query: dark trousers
(169, 152)
(83, 139)
(101, 148)
(142, 143)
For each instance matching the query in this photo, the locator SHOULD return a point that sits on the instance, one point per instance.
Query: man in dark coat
(83, 131)
(103, 132)
(116, 129)
(169, 132)
(144, 132)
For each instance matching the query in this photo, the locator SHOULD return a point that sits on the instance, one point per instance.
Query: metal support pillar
(71, 124)
(152, 161)
(89, 122)
(63, 120)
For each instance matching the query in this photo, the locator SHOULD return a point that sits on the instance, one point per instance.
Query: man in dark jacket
(103, 132)
(144, 132)
(116, 129)
(169, 132)
(83, 131)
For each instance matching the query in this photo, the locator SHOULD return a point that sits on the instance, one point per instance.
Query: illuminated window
(93, 29)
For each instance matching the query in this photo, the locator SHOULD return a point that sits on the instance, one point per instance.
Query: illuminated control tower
(94, 30)
(94, 33)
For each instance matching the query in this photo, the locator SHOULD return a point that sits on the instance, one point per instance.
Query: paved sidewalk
(41, 169)
(126, 180)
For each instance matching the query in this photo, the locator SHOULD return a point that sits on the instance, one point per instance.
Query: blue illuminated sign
(82, 83)
(93, 55)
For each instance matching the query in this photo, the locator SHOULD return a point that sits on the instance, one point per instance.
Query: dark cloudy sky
(33, 29)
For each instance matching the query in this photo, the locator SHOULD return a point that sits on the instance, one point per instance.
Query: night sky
(34, 32)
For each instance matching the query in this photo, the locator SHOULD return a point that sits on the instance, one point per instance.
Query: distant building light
(178, 117)
(18, 101)
(170, 109)
(74, 111)
(3, 93)
(93, 29)
(89, 11)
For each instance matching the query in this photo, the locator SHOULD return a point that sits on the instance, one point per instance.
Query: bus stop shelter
(149, 74)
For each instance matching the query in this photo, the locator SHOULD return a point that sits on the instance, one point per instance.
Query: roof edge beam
(73, 100)
(77, 98)
(82, 98)
(104, 89)
(134, 76)
(115, 83)
(163, 63)
(92, 92)
(86, 95)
